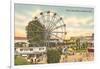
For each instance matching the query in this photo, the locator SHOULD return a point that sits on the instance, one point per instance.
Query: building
(88, 39)
(82, 39)
(30, 50)
(20, 39)
(32, 54)
(79, 42)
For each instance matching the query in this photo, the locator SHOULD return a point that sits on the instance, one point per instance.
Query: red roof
(20, 38)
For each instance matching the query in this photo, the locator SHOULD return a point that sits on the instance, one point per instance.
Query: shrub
(53, 56)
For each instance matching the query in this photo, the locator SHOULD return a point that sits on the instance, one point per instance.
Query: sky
(79, 20)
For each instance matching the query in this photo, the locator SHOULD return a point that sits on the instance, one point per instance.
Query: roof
(20, 38)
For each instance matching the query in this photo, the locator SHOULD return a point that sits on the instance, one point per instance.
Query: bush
(53, 56)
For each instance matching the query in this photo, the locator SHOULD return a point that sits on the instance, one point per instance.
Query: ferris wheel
(54, 26)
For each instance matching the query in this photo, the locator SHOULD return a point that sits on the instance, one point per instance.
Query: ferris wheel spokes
(53, 18)
(57, 36)
(55, 23)
(58, 27)
(53, 26)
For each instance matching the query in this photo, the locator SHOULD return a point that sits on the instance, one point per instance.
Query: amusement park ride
(55, 28)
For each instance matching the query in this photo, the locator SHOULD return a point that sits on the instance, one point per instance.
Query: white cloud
(76, 21)
(20, 16)
(79, 32)
(22, 20)
(75, 26)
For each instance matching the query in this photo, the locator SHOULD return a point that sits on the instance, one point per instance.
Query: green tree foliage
(84, 45)
(60, 50)
(35, 32)
(78, 42)
(53, 56)
(20, 44)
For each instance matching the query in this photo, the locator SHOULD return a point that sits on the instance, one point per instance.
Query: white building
(32, 54)
(30, 50)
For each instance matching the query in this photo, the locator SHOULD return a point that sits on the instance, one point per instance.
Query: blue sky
(78, 20)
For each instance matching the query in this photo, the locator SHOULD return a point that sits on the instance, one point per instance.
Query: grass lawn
(19, 60)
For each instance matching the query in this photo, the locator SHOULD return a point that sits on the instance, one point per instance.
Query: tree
(35, 32)
(78, 42)
(20, 44)
(53, 56)
(84, 45)
(60, 50)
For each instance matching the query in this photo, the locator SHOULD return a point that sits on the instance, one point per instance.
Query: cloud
(74, 24)
(21, 21)
(20, 17)
(79, 32)
(78, 22)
